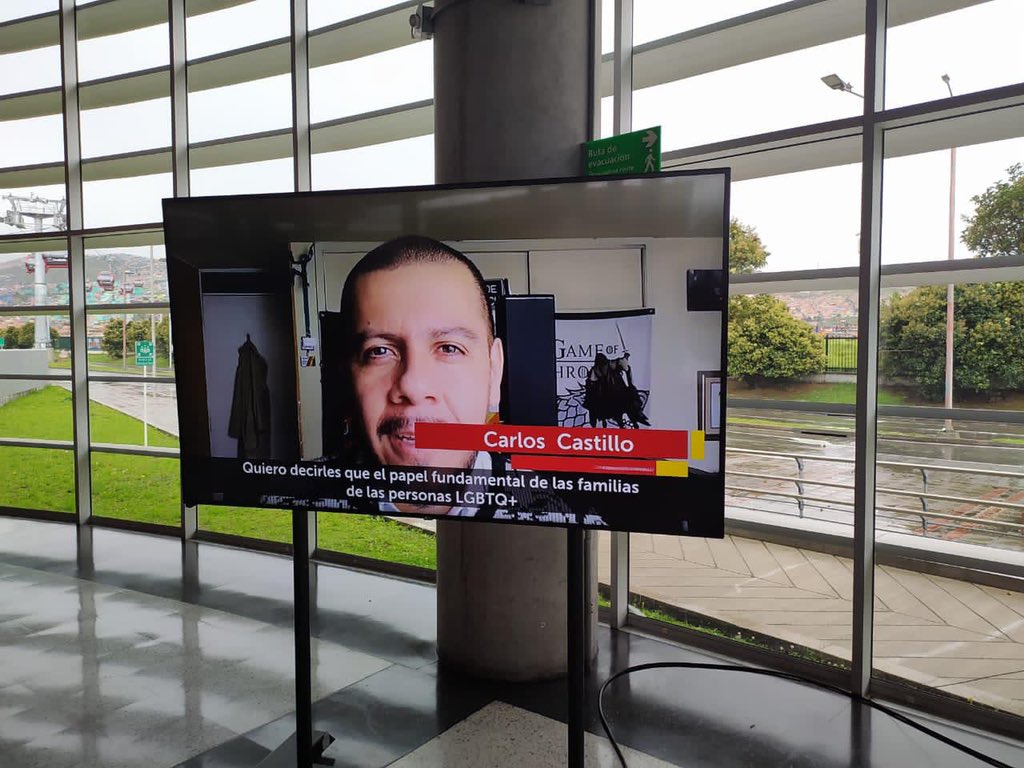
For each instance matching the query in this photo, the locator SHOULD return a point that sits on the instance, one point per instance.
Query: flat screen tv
(546, 352)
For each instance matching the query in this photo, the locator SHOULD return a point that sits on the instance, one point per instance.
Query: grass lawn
(842, 353)
(711, 626)
(146, 489)
(374, 537)
(830, 392)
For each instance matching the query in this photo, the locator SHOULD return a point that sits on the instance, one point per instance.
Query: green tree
(997, 226)
(163, 335)
(12, 336)
(767, 344)
(988, 339)
(24, 336)
(114, 342)
(27, 335)
(112, 337)
(746, 251)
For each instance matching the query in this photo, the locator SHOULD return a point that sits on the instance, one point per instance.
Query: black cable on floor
(786, 676)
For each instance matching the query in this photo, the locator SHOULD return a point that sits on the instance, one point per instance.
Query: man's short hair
(399, 252)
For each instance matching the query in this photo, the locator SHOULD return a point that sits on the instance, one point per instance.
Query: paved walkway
(963, 638)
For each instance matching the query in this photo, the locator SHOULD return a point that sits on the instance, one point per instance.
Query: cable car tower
(38, 210)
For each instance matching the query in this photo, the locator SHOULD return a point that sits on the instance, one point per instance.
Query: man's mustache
(396, 425)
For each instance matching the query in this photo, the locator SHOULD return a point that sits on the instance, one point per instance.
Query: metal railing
(840, 353)
(931, 520)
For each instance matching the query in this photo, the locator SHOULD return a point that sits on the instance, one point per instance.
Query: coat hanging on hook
(250, 404)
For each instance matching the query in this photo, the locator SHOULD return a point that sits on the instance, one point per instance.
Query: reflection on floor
(120, 649)
(492, 735)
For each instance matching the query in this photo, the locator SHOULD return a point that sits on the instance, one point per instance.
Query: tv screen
(536, 352)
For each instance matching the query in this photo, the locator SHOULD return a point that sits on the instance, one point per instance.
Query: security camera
(422, 22)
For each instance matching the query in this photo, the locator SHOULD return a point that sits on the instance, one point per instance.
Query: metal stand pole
(309, 745)
(577, 649)
(303, 675)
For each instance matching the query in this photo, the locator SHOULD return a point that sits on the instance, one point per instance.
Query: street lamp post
(124, 319)
(836, 83)
(948, 399)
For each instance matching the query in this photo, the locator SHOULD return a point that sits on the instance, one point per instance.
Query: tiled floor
(110, 657)
(107, 674)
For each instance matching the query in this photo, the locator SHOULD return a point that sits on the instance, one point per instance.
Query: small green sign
(144, 353)
(636, 152)
(3, 342)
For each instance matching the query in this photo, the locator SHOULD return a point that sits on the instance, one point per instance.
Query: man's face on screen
(422, 353)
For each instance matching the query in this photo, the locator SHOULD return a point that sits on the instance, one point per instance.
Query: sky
(807, 220)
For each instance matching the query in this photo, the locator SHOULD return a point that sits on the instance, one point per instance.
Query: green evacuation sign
(636, 152)
(144, 353)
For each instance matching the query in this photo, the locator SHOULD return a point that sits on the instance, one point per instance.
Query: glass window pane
(126, 128)
(399, 76)
(30, 70)
(654, 19)
(37, 410)
(778, 92)
(950, 491)
(918, 222)
(39, 478)
(607, 117)
(17, 9)
(778, 598)
(987, 337)
(135, 200)
(238, 110)
(238, 26)
(133, 414)
(120, 274)
(977, 46)
(394, 540)
(32, 141)
(266, 524)
(324, 12)
(37, 279)
(800, 345)
(785, 469)
(394, 163)
(248, 178)
(113, 336)
(36, 344)
(129, 51)
(608, 26)
(139, 488)
(32, 209)
(817, 223)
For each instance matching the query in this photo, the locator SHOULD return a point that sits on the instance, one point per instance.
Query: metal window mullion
(301, 158)
(179, 98)
(622, 117)
(869, 286)
(180, 166)
(594, 70)
(76, 260)
(301, 153)
(622, 68)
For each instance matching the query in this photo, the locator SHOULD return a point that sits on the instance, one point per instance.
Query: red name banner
(601, 466)
(557, 441)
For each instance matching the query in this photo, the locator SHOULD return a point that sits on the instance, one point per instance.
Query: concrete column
(512, 100)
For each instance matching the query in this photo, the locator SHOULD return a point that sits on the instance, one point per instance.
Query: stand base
(284, 755)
